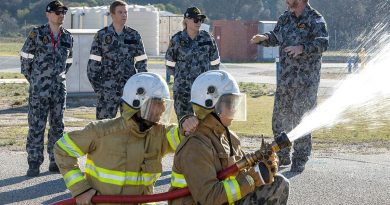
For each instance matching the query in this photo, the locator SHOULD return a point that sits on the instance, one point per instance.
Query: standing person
(123, 154)
(45, 59)
(302, 35)
(212, 147)
(117, 52)
(190, 53)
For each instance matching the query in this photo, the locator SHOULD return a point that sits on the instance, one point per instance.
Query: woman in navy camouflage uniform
(190, 53)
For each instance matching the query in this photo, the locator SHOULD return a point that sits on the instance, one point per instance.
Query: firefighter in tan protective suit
(216, 101)
(123, 154)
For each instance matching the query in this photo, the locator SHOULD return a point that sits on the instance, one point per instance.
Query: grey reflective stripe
(69, 60)
(170, 63)
(233, 190)
(104, 175)
(70, 178)
(141, 178)
(179, 181)
(140, 58)
(26, 55)
(216, 61)
(172, 136)
(95, 57)
(70, 148)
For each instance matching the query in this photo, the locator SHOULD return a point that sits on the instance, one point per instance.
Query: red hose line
(148, 198)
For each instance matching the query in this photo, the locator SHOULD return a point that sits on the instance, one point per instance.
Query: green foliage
(21, 13)
(349, 21)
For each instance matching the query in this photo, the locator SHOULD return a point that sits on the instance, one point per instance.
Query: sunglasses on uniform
(59, 12)
(197, 20)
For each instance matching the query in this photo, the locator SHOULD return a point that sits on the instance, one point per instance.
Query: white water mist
(367, 91)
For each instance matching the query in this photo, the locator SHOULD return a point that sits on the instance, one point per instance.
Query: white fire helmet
(149, 93)
(218, 90)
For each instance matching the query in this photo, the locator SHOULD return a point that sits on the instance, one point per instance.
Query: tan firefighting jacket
(121, 160)
(200, 157)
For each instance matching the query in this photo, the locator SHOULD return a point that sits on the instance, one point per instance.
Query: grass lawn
(13, 129)
(9, 75)
(10, 48)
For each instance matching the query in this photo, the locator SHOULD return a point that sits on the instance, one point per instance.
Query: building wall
(267, 53)
(233, 40)
(76, 78)
(169, 25)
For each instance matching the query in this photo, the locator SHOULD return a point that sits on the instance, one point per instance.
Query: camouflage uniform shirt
(114, 59)
(45, 60)
(189, 58)
(45, 64)
(296, 92)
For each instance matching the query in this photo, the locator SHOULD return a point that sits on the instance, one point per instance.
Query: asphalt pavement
(329, 178)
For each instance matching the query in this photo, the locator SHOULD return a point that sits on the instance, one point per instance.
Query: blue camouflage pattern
(114, 58)
(45, 65)
(296, 92)
(189, 58)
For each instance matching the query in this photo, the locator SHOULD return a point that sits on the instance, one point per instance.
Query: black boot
(33, 169)
(53, 167)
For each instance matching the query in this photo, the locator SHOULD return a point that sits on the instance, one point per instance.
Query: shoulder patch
(32, 35)
(108, 39)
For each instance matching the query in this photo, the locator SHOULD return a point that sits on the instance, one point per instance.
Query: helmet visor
(157, 110)
(232, 106)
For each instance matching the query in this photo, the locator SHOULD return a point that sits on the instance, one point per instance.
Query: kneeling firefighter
(123, 154)
(216, 101)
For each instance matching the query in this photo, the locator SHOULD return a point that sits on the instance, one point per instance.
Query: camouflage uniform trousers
(41, 107)
(273, 194)
(291, 103)
(107, 104)
(182, 104)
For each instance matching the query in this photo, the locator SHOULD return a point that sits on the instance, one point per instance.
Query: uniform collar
(112, 29)
(214, 124)
(186, 36)
(134, 128)
(304, 12)
(47, 29)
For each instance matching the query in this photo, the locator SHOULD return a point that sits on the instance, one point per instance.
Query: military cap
(55, 5)
(193, 12)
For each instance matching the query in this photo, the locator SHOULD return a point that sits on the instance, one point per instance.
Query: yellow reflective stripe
(232, 189)
(173, 137)
(178, 180)
(69, 146)
(120, 178)
(72, 177)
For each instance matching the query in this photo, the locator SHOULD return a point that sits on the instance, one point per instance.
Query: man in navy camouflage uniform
(116, 52)
(190, 53)
(45, 59)
(302, 35)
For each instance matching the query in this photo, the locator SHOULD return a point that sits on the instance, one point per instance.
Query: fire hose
(249, 160)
